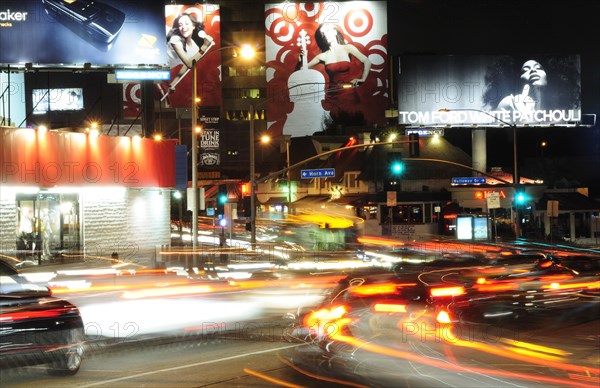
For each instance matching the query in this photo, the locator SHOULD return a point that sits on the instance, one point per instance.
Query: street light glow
(247, 51)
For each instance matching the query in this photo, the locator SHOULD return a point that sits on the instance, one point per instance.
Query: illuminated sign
(469, 181)
(139, 75)
(206, 37)
(58, 32)
(540, 90)
(426, 132)
(487, 193)
(305, 73)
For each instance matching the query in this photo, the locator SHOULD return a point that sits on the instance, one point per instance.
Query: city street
(162, 328)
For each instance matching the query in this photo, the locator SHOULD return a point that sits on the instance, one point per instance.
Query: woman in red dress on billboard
(336, 55)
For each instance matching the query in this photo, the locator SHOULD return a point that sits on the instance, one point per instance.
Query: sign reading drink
(504, 90)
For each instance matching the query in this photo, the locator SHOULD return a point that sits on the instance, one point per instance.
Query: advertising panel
(489, 90)
(192, 32)
(106, 32)
(210, 138)
(312, 50)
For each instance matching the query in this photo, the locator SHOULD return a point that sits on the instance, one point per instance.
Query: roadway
(169, 329)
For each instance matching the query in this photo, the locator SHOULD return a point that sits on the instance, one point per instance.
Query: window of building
(246, 71)
(351, 180)
(238, 93)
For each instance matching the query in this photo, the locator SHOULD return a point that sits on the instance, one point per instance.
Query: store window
(403, 214)
(47, 225)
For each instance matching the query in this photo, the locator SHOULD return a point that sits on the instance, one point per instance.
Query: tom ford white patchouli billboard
(535, 90)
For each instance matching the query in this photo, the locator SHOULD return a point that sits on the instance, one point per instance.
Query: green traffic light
(520, 198)
(397, 168)
(223, 198)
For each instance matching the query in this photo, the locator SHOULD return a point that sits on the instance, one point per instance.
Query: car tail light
(389, 308)
(374, 289)
(443, 317)
(447, 291)
(23, 315)
(325, 315)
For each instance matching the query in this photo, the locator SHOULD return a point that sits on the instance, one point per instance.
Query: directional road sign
(469, 181)
(318, 173)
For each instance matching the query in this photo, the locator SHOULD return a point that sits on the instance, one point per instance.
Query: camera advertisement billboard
(58, 32)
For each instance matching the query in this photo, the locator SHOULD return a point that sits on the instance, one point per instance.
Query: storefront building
(73, 196)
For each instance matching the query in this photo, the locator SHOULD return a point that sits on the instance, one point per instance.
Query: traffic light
(395, 164)
(413, 146)
(520, 197)
(221, 199)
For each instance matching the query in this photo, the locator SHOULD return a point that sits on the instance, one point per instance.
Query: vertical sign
(392, 198)
(493, 200)
(210, 137)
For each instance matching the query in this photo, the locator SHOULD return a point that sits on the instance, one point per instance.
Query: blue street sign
(475, 180)
(318, 173)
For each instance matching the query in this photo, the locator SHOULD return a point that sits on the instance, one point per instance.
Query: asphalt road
(258, 359)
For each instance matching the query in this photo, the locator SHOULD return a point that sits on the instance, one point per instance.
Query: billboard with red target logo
(326, 66)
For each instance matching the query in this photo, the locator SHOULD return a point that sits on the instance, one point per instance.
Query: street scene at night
(299, 194)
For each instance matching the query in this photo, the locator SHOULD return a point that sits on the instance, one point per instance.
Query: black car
(37, 328)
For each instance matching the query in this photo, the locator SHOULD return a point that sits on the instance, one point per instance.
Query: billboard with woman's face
(532, 90)
(326, 65)
(193, 33)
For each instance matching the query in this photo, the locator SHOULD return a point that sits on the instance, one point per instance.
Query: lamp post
(253, 107)
(516, 179)
(287, 165)
(194, 157)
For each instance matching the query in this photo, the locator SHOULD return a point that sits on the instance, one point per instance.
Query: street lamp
(516, 180)
(247, 52)
(253, 107)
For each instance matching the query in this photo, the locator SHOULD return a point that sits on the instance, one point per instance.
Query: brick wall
(130, 222)
(8, 221)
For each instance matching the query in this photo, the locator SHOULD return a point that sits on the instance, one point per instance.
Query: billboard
(58, 32)
(312, 50)
(192, 32)
(489, 90)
